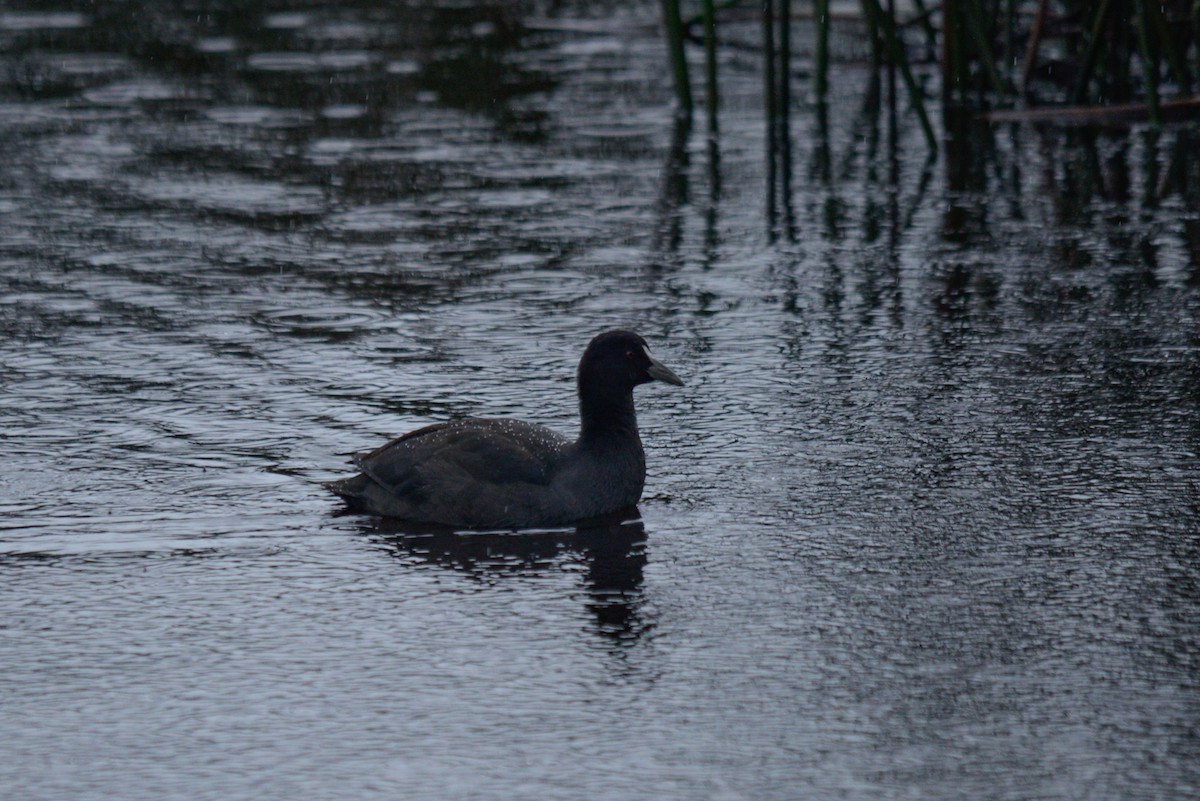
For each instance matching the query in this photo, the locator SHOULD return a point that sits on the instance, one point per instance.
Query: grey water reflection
(612, 557)
(922, 524)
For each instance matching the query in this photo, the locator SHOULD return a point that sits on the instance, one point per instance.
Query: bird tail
(350, 489)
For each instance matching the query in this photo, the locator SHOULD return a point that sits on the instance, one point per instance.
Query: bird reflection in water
(611, 549)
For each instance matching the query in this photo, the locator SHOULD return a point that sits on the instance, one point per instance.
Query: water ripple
(329, 321)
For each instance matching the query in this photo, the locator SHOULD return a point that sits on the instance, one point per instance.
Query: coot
(490, 473)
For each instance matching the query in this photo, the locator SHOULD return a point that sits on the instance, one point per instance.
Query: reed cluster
(1115, 60)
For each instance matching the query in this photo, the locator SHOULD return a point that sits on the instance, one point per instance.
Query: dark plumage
(489, 473)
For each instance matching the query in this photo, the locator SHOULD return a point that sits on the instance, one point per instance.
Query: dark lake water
(922, 524)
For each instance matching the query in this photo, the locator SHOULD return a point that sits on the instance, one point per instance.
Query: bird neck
(607, 415)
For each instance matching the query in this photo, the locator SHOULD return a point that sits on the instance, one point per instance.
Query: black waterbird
(483, 473)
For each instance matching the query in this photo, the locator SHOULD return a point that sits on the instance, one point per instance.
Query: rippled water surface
(922, 524)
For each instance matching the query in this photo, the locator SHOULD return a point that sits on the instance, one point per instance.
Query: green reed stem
(873, 35)
(1089, 58)
(1149, 64)
(673, 20)
(975, 23)
(770, 88)
(900, 59)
